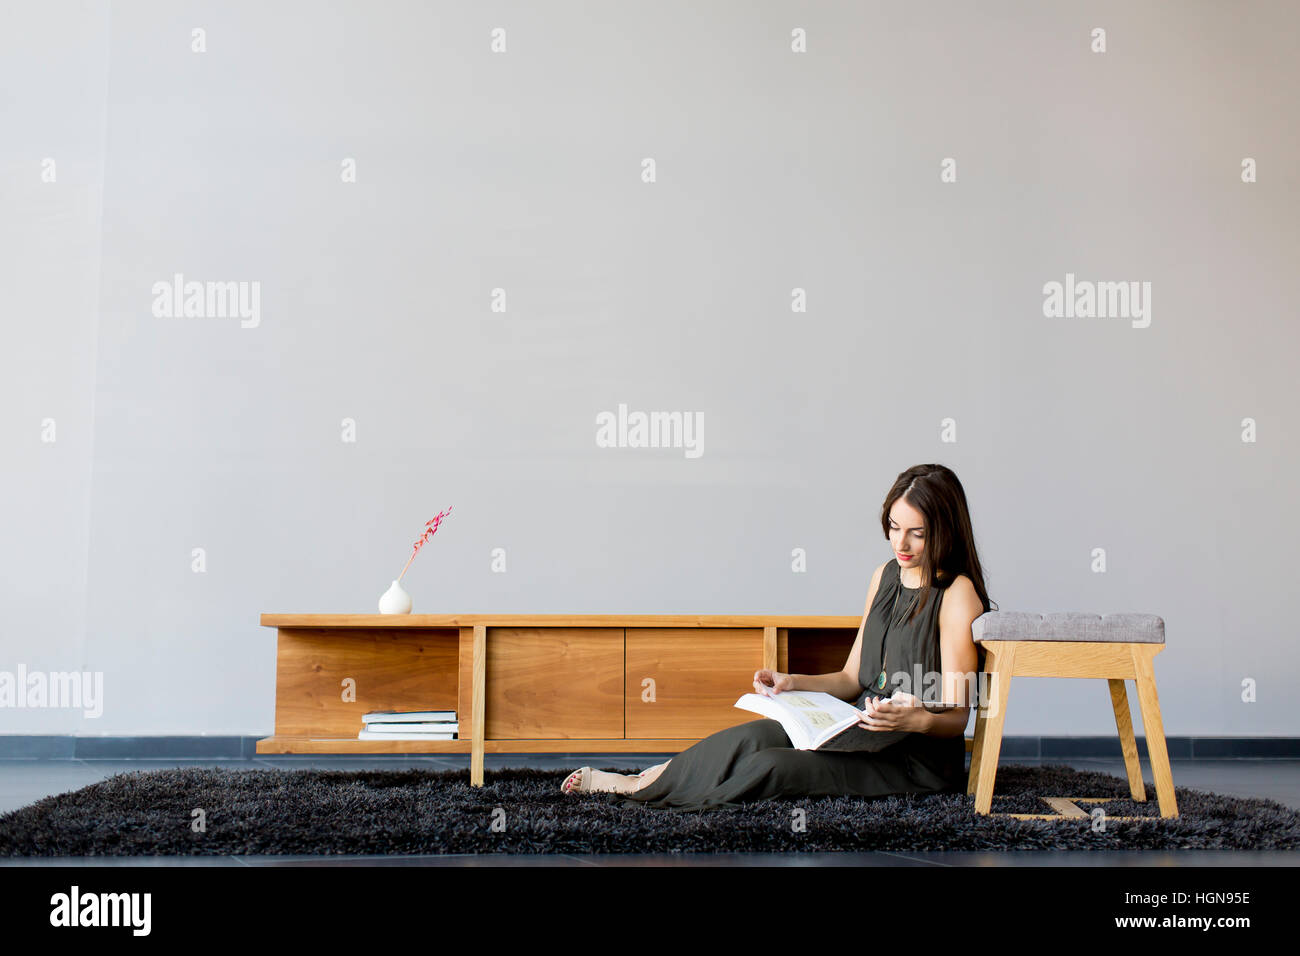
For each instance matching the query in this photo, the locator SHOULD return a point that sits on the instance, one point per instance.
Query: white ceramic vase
(395, 601)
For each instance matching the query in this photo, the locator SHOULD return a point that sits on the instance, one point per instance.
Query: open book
(812, 718)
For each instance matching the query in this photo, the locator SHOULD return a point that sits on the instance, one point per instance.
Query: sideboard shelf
(529, 683)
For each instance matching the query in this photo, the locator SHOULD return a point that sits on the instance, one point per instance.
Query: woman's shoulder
(958, 582)
(878, 589)
(964, 595)
(878, 578)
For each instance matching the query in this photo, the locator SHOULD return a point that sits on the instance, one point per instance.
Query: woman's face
(906, 533)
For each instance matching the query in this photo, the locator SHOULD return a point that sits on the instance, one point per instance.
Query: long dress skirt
(755, 760)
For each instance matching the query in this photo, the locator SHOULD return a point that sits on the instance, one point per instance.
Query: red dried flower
(432, 526)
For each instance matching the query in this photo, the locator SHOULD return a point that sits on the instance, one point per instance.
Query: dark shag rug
(154, 813)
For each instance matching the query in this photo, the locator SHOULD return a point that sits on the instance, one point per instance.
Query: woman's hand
(900, 712)
(769, 683)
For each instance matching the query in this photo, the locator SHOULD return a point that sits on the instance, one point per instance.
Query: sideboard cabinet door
(684, 682)
(554, 682)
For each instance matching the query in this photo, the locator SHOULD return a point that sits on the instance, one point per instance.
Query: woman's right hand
(769, 683)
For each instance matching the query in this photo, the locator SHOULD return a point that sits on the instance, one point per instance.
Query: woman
(918, 616)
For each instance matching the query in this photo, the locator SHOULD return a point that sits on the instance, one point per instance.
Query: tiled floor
(25, 781)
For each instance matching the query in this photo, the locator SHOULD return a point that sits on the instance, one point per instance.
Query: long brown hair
(949, 549)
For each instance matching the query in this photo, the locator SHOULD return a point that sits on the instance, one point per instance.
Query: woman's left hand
(900, 712)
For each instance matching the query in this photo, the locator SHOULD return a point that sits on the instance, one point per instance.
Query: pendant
(880, 681)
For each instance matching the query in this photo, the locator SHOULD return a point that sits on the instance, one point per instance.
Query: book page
(820, 709)
(807, 716)
(814, 714)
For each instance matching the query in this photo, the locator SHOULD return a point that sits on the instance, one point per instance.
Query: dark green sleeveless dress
(755, 760)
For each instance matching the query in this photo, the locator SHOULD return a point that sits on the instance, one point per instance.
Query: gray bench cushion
(1068, 626)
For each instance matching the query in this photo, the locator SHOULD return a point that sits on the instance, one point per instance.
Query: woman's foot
(586, 780)
(577, 782)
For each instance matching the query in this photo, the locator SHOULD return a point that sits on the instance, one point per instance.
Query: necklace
(893, 619)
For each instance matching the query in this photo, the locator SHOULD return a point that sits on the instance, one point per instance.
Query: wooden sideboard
(533, 683)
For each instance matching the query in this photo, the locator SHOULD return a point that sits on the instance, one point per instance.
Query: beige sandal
(580, 782)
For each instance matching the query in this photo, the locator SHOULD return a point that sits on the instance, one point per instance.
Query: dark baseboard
(18, 746)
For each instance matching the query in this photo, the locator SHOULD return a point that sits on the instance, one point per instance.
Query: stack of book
(409, 725)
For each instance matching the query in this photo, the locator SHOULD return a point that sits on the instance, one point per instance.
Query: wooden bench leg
(1153, 727)
(1127, 742)
(981, 720)
(990, 741)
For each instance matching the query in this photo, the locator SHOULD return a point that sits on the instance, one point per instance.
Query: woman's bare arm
(844, 684)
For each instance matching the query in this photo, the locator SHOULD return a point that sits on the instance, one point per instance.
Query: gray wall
(924, 337)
